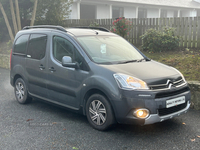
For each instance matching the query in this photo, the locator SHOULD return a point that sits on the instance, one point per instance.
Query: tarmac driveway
(43, 126)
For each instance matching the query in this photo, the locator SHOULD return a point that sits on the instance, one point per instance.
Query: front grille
(179, 83)
(167, 111)
(168, 85)
(171, 93)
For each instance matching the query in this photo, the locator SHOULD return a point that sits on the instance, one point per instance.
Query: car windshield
(109, 49)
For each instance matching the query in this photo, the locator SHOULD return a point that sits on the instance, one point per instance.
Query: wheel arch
(90, 93)
(16, 77)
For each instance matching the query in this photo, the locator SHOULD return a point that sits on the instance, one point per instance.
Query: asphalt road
(43, 126)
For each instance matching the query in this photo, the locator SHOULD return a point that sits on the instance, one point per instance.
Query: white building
(107, 9)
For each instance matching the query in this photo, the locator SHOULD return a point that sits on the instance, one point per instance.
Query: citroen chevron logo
(170, 84)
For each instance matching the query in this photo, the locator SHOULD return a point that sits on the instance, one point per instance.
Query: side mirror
(67, 62)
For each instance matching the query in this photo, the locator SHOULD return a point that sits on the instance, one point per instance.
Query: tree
(34, 13)
(18, 15)
(48, 12)
(54, 12)
(7, 22)
(17, 25)
(13, 16)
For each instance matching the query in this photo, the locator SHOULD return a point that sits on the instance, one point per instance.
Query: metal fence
(187, 28)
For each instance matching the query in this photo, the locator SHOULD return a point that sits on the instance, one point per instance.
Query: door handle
(41, 67)
(52, 69)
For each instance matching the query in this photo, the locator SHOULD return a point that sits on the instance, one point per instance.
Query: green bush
(95, 24)
(157, 41)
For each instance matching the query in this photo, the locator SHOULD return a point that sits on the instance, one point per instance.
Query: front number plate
(175, 101)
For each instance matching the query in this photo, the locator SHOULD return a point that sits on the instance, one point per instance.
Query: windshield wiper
(140, 60)
(129, 61)
(143, 59)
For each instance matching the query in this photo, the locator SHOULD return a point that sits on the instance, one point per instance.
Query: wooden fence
(187, 28)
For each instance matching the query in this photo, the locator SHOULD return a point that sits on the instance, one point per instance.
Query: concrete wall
(195, 90)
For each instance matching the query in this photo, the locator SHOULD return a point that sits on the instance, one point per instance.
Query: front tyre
(99, 112)
(21, 92)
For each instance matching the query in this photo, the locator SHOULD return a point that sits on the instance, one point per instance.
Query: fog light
(141, 113)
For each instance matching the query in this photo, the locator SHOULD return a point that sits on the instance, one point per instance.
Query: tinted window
(37, 46)
(20, 44)
(62, 47)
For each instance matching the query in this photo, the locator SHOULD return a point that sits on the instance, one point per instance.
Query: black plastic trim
(46, 26)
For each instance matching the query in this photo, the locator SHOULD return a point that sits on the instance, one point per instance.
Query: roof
(169, 3)
(76, 31)
(86, 32)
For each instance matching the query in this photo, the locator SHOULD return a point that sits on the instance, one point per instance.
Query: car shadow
(68, 115)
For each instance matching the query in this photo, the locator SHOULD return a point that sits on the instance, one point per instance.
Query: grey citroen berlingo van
(97, 73)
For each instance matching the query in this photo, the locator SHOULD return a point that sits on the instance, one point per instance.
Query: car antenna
(96, 33)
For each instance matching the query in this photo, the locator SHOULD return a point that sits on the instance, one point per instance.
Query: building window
(198, 12)
(163, 13)
(142, 13)
(87, 11)
(175, 13)
(117, 12)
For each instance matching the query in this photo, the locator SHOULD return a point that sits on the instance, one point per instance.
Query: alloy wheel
(20, 91)
(97, 112)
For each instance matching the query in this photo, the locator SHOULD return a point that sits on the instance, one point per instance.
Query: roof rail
(45, 26)
(94, 28)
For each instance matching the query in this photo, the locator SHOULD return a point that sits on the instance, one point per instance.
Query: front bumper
(129, 101)
(153, 118)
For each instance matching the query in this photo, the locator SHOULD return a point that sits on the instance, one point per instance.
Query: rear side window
(37, 46)
(21, 44)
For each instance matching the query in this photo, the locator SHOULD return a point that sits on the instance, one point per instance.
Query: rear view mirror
(67, 62)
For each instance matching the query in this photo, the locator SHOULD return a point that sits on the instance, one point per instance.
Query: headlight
(180, 74)
(183, 77)
(130, 83)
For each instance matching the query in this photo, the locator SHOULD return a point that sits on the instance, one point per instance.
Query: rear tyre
(99, 112)
(21, 92)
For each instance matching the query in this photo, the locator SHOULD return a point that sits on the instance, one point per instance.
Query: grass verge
(186, 61)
